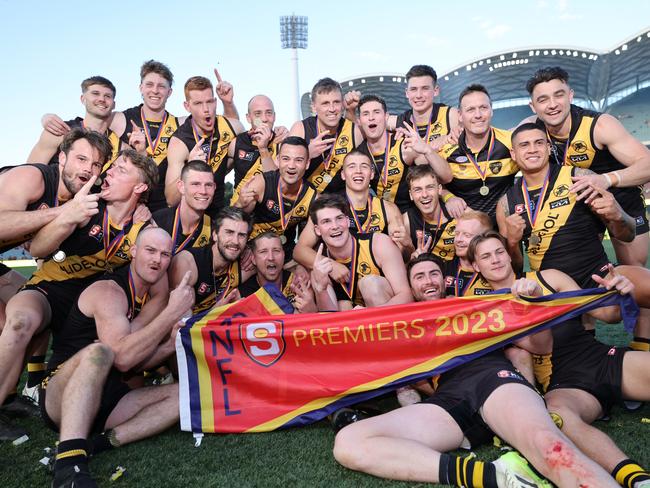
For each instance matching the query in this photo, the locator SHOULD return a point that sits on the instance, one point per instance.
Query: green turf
(297, 457)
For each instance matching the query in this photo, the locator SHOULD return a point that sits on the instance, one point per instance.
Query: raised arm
(45, 149)
(177, 155)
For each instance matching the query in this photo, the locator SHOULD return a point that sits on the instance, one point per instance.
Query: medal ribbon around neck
(152, 146)
(460, 292)
(177, 232)
(111, 246)
(198, 137)
(532, 215)
(349, 286)
(475, 162)
(424, 226)
(327, 159)
(566, 146)
(285, 218)
(134, 296)
(384, 170)
(225, 290)
(357, 221)
(429, 125)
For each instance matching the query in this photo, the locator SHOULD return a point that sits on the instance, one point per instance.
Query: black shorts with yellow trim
(598, 371)
(114, 390)
(463, 391)
(61, 296)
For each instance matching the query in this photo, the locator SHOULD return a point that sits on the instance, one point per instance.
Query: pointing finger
(216, 73)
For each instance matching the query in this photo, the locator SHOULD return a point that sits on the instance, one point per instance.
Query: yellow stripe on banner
(205, 384)
(373, 385)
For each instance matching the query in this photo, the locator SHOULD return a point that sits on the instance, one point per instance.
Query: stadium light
(293, 35)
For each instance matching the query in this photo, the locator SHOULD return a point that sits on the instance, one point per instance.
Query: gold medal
(283, 239)
(327, 178)
(59, 256)
(484, 190)
(534, 239)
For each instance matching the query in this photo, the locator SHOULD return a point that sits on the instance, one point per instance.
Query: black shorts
(632, 201)
(597, 370)
(4, 269)
(114, 390)
(61, 295)
(585, 281)
(463, 391)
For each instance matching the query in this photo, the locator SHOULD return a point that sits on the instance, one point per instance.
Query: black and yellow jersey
(324, 171)
(461, 282)
(48, 199)
(565, 231)
(216, 147)
(491, 167)
(79, 331)
(442, 231)
(90, 250)
(438, 125)
(277, 214)
(169, 219)
(361, 263)
(251, 285)
(363, 223)
(209, 288)
(247, 161)
(580, 150)
(157, 134)
(113, 138)
(389, 182)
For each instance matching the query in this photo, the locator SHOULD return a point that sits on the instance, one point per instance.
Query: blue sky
(47, 48)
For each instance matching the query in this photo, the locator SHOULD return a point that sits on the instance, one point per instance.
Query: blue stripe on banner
(278, 297)
(192, 378)
(629, 310)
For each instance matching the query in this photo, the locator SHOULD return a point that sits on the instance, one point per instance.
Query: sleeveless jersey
(116, 144)
(362, 223)
(86, 253)
(216, 148)
(495, 169)
(324, 171)
(157, 134)
(461, 282)
(251, 285)
(79, 331)
(48, 199)
(208, 287)
(580, 150)
(170, 220)
(438, 123)
(362, 263)
(247, 161)
(443, 233)
(565, 234)
(268, 216)
(389, 182)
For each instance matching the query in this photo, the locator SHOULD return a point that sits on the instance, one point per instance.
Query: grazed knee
(20, 326)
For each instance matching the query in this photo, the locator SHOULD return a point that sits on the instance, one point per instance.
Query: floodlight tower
(293, 34)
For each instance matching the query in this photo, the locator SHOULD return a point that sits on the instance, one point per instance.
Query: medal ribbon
(357, 221)
(153, 145)
(134, 296)
(285, 218)
(177, 232)
(384, 170)
(111, 246)
(475, 162)
(349, 286)
(198, 137)
(532, 215)
(460, 292)
(327, 159)
(424, 226)
(566, 146)
(225, 290)
(415, 126)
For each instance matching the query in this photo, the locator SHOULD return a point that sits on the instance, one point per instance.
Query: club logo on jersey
(495, 167)
(203, 288)
(169, 130)
(504, 373)
(364, 268)
(264, 341)
(559, 203)
(449, 281)
(96, 232)
(561, 190)
(202, 241)
(520, 208)
(225, 136)
(300, 211)
(579, 146)
(392, 161)
(245, 155)
(344, 140)
(374, 219)
(270, 204)
(450, 229)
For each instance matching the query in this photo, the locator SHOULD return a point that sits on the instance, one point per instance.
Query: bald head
(261, 111)
(150, 233)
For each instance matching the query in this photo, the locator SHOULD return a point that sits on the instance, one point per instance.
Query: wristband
(609, 180)
(618, 178)
(447, 197)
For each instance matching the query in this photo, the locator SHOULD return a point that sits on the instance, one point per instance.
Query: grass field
(298, 457)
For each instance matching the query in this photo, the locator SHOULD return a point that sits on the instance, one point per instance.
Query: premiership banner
(251, 367)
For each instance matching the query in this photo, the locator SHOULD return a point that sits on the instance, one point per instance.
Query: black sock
(35, 370)
(628, 472)
(640, 344)
(100, 443)
(71, 452)
(468, 472)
